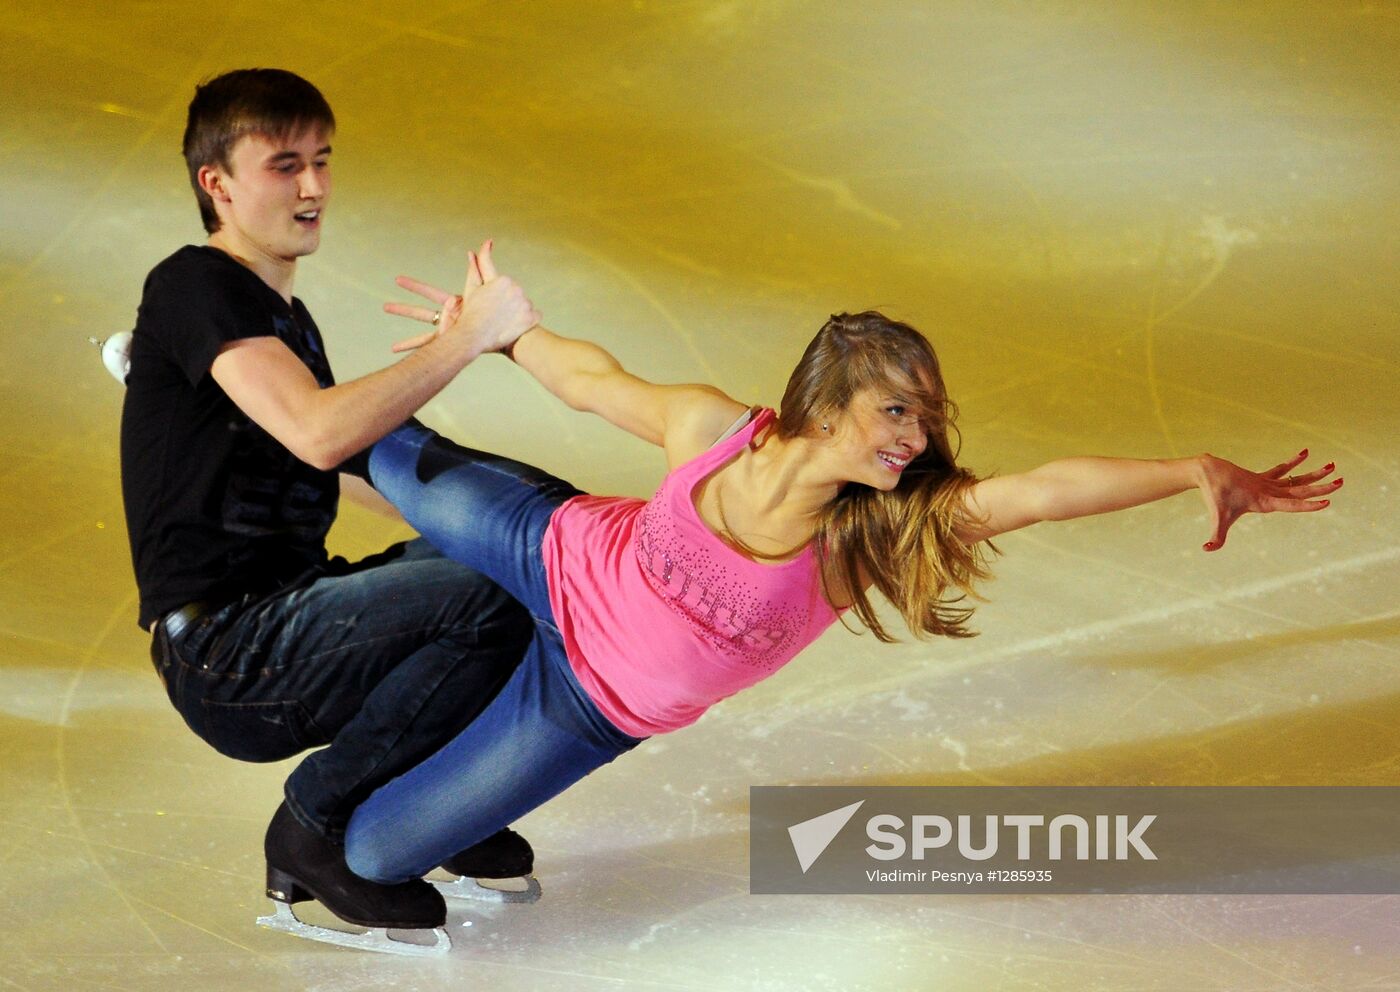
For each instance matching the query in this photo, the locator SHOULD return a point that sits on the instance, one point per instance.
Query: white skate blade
(116, 355)
(374, 939)
(470, 888)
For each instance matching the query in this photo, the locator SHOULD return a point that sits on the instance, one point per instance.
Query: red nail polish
(1303, 453)
(1336, 482)
(1329, 466)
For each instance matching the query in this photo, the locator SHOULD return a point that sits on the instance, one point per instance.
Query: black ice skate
(304, 865)
(503, 855)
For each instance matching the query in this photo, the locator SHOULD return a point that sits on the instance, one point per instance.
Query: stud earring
(826, 427)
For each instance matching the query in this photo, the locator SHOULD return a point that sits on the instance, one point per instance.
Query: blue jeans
(542, 733)
(384, 660)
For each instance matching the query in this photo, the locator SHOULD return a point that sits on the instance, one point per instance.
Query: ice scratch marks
(1217, 241)
(11, 983)
(841, 194)
(1220, 241)
(384, 33)
(51, 835)
(58, 539)
(1123, 714)
(1335, 443)
(40, 695)
(121, 611)
(1150, 352)
(1056, 362)
(1279, 978)
(854, 742)
(155, 908)
(958, 748)
(840, 695)
(648, 937)
(1338, 354)
(99, 198)
(731, 21)
(1215, 600)
(696, 800)
(121, 110)
(641, 289)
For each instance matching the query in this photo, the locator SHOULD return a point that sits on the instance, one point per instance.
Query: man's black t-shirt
(215, 507)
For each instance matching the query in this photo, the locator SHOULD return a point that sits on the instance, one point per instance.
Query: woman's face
(875, 438)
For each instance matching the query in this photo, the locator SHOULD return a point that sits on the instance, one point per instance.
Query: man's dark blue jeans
(384, 660)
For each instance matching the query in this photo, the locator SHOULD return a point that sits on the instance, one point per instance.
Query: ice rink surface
(1130, 229)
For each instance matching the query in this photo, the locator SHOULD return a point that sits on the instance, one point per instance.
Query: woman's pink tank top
(660, 618)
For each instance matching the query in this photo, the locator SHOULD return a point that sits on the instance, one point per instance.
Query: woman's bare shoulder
(696, 424)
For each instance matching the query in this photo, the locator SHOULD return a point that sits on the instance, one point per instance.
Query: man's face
(274, 195)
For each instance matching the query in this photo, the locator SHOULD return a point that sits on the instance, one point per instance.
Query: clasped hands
(491, 312)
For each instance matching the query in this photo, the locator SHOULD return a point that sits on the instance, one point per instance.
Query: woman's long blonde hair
(903, 540)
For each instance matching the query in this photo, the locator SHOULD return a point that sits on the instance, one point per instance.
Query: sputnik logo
(811, 837)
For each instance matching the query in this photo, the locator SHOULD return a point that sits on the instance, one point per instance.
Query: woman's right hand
(491, 312)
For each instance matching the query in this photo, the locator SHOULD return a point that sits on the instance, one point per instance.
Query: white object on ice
(116, 354)
(470, 888)
(373, 939)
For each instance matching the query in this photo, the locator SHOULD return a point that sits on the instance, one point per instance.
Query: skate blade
(116, 355)
(374, 939)
(470, 888)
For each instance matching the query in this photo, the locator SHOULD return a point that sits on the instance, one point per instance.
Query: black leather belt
(176, 622)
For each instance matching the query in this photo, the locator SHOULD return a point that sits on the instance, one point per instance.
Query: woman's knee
(377, 862)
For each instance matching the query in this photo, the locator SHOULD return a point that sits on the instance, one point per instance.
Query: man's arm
(1081, 487)
(323, 427)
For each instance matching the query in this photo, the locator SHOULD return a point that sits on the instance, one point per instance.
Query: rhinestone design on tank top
(736, 604)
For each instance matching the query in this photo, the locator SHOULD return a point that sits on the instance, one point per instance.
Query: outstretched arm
(683, 419)
(1081, 487)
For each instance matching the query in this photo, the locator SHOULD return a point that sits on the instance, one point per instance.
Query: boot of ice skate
(503, 855)
(302, 865)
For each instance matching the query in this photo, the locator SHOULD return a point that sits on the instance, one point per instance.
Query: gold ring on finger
(437, 317)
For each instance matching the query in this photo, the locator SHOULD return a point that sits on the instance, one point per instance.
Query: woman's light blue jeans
(541, 733)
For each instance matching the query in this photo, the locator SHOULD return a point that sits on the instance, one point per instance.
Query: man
(231, 431)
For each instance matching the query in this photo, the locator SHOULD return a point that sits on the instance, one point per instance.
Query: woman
(648, 612)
